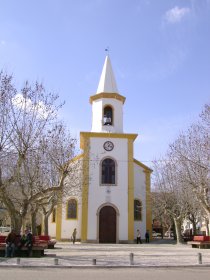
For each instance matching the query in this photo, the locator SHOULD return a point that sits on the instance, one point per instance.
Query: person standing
(138, 238)
(147, 236)
(29, 241)
(21, 242)
(74, 235)
(10, 244)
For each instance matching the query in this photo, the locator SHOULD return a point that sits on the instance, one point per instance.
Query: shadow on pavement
(164, 241)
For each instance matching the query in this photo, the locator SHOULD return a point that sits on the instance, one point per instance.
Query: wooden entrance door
(107, 225)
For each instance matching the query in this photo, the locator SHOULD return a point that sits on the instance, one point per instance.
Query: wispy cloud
(26, 104)
(2, 42)
(165, 65)
(176, 14)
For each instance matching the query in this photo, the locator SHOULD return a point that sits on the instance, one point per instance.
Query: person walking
(74, 235)
(138, 238)
(147, 236)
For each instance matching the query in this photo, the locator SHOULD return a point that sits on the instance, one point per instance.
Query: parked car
(156, 234)
(169, 234)
(5, 230)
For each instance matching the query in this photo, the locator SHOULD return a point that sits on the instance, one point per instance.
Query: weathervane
(107, 50)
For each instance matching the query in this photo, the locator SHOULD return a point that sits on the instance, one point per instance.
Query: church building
(114, 196)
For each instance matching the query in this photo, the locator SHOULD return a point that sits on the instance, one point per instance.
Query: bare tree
(192, 152)
(170, 194)
(182, 179)
(159, 212)
(35, 150)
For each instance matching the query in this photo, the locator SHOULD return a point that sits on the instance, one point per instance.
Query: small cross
(108, 190)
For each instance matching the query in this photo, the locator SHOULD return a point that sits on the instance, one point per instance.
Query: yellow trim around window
(139, 200)
(100, 170)
(72, 198)
(109, 105)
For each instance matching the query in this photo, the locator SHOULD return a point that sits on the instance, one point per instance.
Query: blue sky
(160, 53)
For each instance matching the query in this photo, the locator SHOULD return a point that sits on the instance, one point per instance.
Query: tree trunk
(16, 222)
(178, 225)
(46, 218)
(46, 224)
(194, 227)
(207, 225)
(33, 223)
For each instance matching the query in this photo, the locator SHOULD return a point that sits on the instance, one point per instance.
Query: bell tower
(112, 198)
(107, 103)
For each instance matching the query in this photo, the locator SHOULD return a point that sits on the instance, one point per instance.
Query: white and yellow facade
(114, 185)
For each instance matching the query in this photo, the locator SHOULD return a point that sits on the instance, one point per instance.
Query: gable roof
(146, 168)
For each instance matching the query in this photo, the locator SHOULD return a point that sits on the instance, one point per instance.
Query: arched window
(71, 209)
(108, 171)
(108, 115)
(137, 210)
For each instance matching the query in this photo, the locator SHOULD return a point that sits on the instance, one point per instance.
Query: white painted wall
(52, 227)
(68, 225)
(119, 193)
(72, 189)
(97, 115)
(140, 193)
(98, 195)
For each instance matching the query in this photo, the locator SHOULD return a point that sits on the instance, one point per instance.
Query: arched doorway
(107, 225)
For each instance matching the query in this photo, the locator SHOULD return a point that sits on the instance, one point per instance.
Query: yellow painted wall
(130, 191)
(85, 188)
(59, 217)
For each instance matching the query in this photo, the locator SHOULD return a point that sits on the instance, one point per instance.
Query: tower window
(108, 115)
(108, 171)
(137, 210)
(71, 209)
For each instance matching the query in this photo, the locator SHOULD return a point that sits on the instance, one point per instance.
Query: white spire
(107, 81)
